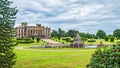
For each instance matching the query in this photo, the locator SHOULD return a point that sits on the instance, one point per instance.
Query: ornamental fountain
(77, 43)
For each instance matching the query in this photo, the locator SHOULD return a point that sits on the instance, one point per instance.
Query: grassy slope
(53, 58)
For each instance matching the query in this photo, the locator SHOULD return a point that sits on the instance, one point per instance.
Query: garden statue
(77, 42)
(100, 45)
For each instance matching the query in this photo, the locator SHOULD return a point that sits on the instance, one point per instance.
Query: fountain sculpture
(77, 42)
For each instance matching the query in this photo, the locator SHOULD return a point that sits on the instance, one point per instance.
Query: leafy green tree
(101, 34)
(87, 35)
(54, 33)
(72, 33)
(116, 33)
(61, 33)
(7, 20)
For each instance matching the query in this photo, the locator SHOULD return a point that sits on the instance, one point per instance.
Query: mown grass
(86, 42)
(100, 40)
(40, 43)
(53, 58)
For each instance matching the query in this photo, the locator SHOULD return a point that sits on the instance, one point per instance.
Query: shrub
(112, 39)
(63, 43)
(91, 40)
(85, 39)
(38, 39)
(106, 38)
(33, 37)
(69, 40)
(108, 57)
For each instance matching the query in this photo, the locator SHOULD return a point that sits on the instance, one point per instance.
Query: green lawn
(86, 42)
(53, 58)
(99, 40)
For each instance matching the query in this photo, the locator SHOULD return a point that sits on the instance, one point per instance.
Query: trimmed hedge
(112, 39)
(24, 40)
(91, 40)
(68, 39)
(108, 57)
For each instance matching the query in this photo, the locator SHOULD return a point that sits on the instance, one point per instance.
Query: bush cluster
(108, 57)
(68, 39)
(112, 39)
(24, 40)
(91, 40)
(106, 38)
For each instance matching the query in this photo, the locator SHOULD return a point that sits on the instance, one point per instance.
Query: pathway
(51, 41)
(52, 50)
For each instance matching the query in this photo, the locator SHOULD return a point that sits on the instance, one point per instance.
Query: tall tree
(61, 33)
(7, 20)
(116, 33)
(72, 33)
(54, 33)
(101, 34)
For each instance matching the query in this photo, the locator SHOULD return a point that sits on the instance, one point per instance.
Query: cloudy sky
(84, 15)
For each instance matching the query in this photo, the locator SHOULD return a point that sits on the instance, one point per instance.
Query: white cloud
(83, 15)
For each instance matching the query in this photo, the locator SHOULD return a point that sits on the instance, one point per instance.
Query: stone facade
(28, 31)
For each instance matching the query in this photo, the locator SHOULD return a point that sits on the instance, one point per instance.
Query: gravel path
(51, 41)
(60, 50)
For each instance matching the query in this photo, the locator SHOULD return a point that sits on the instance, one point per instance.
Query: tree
(7, 21)
(54, 33)
(72, 33)
(116, 33)
(101, 34)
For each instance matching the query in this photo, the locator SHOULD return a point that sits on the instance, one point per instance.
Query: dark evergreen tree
(7, 20)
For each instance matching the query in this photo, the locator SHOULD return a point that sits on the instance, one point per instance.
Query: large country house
(28, 31)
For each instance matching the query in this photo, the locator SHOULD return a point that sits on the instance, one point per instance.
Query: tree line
(101, 34)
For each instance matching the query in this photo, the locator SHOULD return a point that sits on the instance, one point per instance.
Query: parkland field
(53, 58)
